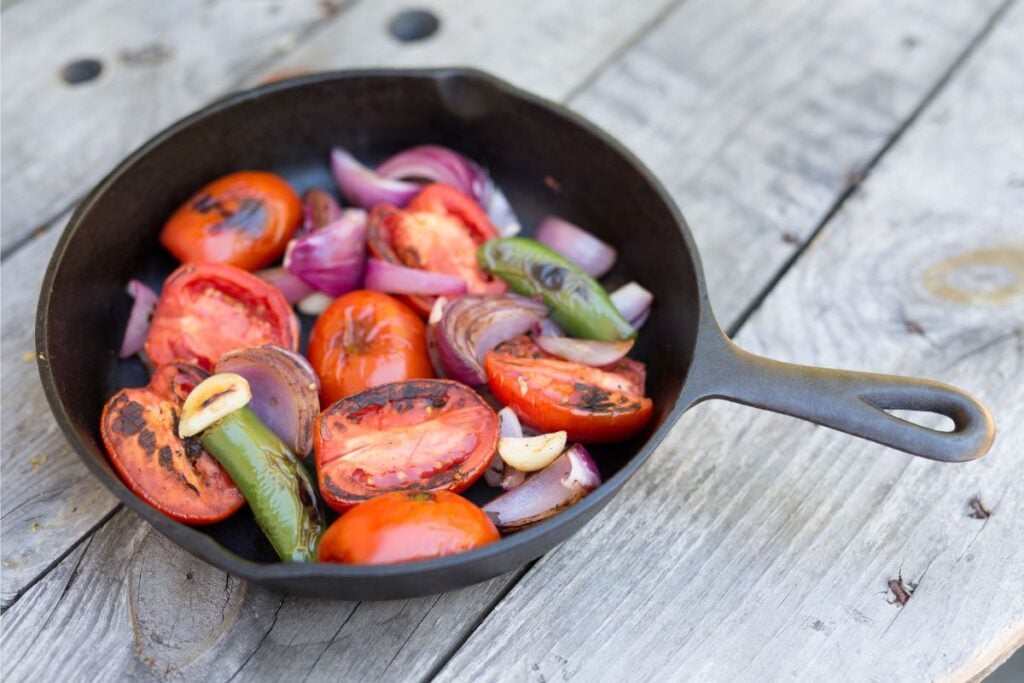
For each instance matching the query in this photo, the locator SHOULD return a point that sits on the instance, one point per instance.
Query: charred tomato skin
(244, 219)
(208, 309)
(593, 405)
(419, 435)
(404, 526)
(365, 339)
(139, 427)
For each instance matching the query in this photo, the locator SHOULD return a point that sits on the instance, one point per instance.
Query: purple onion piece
(592, 255)
(562, 483)
(285, 391)
(634, 303)
(501, 213)
(439, 164)
(293, 288)
(585, 351)
(365, 187)
(319, 209)
(397, 279)
(473, 325)
(331, 260)
(138, 319)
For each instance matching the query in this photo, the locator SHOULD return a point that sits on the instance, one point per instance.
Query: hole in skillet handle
(81, 71)
(413, 25)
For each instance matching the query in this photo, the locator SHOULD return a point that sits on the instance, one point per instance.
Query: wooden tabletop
(853, 172)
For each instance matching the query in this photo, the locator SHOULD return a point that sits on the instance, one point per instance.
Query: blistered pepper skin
(277, 486)
(577, 301)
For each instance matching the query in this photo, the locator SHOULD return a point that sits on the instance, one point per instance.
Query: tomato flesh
(206, 310)
(407, 526)
(594, 405)
(244, 219)
(139, 429)
(365, 339)
(420, 435)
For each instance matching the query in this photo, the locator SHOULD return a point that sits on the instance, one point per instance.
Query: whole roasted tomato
(405, 526)
(244, 219)
(139, 427)
(421, 435)
(594, 405)
(365, 339)
(440, 230)
(208, 309)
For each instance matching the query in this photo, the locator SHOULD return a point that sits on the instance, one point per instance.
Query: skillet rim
(201, 545)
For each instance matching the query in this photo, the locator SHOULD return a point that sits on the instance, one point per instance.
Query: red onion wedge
(585, 351)
(365, 187)
(473, 325)
(331, 259)
(576, 244)
(138, 320)
(319, 209)
(568, 479)
(633, 302)
(435, 163)
(395, 279)
(292, 287)
(285, 391)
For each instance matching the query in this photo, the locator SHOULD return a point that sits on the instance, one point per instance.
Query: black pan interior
(546, 161)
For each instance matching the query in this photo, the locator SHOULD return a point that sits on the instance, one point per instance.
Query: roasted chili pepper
(577, 301)
(276, 485)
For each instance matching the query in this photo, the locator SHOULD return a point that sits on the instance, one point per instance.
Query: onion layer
(292, 287)
(331, 259)
(395, 279)
(592, 255)
(585, 351)
(285, 391)
(473, 325)
(138, 320)
(365, 187)
(634, 303)
(562, 483)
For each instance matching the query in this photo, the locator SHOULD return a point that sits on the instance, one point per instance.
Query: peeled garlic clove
(213, 398)
(531, 453)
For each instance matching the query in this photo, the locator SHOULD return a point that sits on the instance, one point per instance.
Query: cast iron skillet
(548, 161)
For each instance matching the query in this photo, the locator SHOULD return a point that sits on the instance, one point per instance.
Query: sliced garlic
(213, 398)
(531, 453)
(315, 303)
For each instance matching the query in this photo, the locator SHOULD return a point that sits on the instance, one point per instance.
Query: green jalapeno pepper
(274, 482)
(577, 301)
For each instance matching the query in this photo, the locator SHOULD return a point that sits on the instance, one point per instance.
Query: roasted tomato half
(177, 477)
(244, 219)
(440, 230)
(365, 339)
(206, 310)
(594, 405)
(421, 435)
(403, 526)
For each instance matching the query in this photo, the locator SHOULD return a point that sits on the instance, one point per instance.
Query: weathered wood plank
(753, 547)
(29, 550)
(49, 499)
(247, 637)
(143, 622)
(160, 60)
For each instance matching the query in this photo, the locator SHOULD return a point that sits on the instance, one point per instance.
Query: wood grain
(160, 60)
(753, 547)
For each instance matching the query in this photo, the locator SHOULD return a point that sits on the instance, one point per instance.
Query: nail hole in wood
(414, 24)
(81, 71)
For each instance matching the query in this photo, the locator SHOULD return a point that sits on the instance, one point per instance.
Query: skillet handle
(852, 402)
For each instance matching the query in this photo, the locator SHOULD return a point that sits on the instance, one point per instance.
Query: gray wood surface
(753, 547)
(787, 117)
